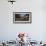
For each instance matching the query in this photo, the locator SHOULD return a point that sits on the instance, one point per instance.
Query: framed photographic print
(22, 17)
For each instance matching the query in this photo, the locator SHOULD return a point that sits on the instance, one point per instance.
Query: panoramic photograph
(21, 17)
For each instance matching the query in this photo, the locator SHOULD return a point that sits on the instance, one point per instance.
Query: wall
(9, 30)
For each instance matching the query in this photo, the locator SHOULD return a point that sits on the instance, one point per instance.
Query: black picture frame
(22, 17)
